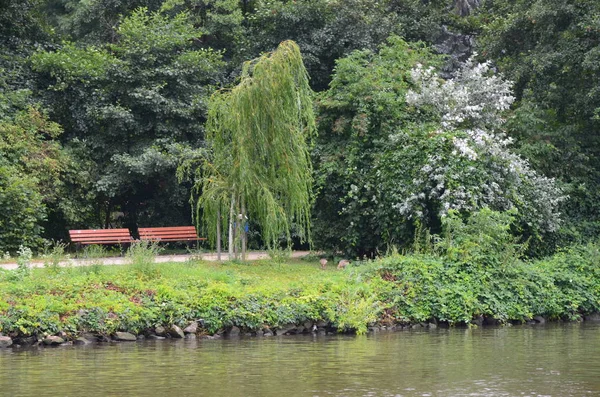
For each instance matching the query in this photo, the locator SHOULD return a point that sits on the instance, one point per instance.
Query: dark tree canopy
(128, 85)
(550, 49)
(134, 105)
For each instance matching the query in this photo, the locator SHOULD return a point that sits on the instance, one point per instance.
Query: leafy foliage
(469, 108)
(129, 83)
(31, 168)
(134, 106)
(321, 28)
(484, 238)
(142, 255)
(363, 107)
(416, 146)
(550, 50)
(220, 22)
(395, 290)
(260, 164)
(92, 21)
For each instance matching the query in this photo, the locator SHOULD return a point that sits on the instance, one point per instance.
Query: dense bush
(421, 288)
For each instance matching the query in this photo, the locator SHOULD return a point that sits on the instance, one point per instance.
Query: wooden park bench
(172, 233)
(100, 236)
(122, 236)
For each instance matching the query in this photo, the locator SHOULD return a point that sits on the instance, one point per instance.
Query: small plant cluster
(142, 255)
(23, 270)
(54, 254)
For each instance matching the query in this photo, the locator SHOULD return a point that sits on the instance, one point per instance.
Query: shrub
(142, 255)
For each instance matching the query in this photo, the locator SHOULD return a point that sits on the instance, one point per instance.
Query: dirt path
(119, 260)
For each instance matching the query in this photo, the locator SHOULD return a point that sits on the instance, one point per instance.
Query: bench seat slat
(85, 238)
(101, 233)
(174, 239)
(103, 242)
(100, 236)
(88, 236)
(167, 229)
(85, 235)
(170, 233)
(120, 236)
(108, 231)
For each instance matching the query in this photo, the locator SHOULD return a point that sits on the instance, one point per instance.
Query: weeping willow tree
(260, 167)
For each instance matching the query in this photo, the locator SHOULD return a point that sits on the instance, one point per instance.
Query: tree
(92, 22)
(477, 169)
(220, 22)
(364, 105)
(550, 49)
(259, 166)
(22, 30)
(327, 30)
(130, 109)
(31, 167)
(399, 147)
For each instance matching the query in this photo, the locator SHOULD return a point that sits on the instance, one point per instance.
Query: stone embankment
(195, 330)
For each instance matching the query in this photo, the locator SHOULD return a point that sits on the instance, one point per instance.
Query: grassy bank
(393, 290)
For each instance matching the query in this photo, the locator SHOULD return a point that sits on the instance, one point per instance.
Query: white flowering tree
(399, 146)
(471, 166)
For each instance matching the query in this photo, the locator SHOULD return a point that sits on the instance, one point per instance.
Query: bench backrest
(100, 236)
(173, 233)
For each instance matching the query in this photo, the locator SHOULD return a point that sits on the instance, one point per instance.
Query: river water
(542, 360)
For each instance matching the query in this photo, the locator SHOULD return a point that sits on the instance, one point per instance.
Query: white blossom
(478, 169)
(472, 97)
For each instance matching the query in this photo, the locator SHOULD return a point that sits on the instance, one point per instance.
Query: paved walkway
(119, 260)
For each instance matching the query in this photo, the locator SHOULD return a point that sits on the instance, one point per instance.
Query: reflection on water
(550, 360)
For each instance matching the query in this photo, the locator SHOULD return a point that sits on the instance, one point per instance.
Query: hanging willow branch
(258, 133)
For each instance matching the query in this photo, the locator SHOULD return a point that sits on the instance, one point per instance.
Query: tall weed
(23, 270)
(54, 256)
(93, 256)
(142, 255)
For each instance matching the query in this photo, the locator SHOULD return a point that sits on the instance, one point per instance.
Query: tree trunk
(243, 229)
(131, 218)
(219, 235)
(107, 217)
(231, 215)
(235, 237)
(236, 231)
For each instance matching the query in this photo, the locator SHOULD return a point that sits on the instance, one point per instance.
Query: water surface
(543, 360)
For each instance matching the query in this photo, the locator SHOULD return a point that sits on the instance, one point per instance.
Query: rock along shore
(194, 330)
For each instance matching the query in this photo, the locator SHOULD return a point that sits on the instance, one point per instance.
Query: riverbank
(55, 305)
